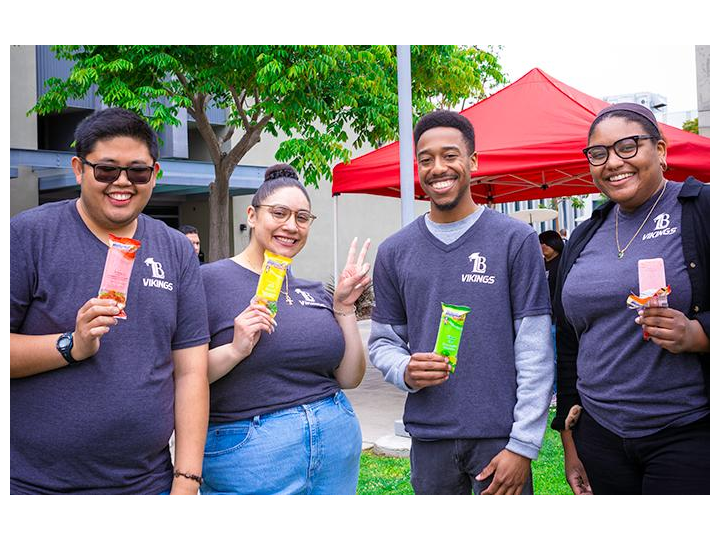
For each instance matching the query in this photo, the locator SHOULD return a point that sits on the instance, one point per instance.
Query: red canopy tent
(529, 137)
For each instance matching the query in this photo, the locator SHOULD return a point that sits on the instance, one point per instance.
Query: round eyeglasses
(624, 148)
(281, 213)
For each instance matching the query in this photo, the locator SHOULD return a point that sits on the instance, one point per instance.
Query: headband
(633, 108)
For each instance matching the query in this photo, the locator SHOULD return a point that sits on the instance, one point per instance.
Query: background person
(551, 244)
(94, 399)
(279, 421)
(644, 426)
(478, 429)
(192, 234)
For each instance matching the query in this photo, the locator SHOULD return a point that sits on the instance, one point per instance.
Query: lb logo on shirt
(308, 299)
(158, 276)
(306, 296)
(479, 269)
(662, 227)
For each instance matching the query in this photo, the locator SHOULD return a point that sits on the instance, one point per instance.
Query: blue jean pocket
(223, 439)
(344, 403)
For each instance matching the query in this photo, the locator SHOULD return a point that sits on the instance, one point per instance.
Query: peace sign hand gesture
(353, 280)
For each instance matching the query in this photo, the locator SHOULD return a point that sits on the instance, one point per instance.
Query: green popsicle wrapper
(447, 343)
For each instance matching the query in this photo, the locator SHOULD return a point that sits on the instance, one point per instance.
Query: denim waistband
(295, 409)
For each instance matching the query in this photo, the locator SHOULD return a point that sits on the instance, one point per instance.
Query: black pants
(675, 460)
(449, 466)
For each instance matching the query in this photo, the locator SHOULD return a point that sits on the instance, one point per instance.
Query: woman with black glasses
(279, 421)
(633, 387)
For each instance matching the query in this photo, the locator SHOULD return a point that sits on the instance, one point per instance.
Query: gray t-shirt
(630, 386)
(292, 366)
(496, 269)
(102, 425)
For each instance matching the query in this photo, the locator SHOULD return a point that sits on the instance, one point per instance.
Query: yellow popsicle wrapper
(447, 343)
(272, 275)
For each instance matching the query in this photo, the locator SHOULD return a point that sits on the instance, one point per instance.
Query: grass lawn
(381, 475)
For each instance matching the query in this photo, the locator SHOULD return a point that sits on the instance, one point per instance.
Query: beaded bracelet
(345, 313)
(189, 476)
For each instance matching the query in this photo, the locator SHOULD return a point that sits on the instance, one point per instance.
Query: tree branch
(204, 127)
(256, 115)
(249, 139)
(186, 86)
(228, 135)
(239, 100)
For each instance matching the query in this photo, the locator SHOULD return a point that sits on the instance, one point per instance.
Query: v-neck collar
(442, 246)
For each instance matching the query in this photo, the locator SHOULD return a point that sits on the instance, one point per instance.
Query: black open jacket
(695, 233)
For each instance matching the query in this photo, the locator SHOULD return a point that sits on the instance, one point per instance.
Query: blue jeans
(308, 449)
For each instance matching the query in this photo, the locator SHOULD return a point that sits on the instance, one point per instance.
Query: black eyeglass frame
(292, 212)
(635, 138)
(119, 171)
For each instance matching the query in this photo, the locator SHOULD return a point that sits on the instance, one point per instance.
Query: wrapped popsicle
(271, 279)
(118, 267)
(447, 343)
(652, 284)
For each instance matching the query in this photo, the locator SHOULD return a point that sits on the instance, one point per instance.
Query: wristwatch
(64, 346)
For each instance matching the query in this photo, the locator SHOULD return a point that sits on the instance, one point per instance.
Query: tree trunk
(219, 202)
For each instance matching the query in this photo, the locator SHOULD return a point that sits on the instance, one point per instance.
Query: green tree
(313, 94)
(691, 126)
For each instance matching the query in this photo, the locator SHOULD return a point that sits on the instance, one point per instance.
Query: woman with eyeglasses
(634, 413)
(279, 421)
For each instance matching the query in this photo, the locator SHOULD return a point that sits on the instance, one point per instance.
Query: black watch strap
(64, 346)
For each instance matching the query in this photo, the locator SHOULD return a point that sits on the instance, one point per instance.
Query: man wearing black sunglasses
(95, 399)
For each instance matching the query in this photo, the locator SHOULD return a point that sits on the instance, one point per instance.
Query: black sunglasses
(137, 174)
(625, 148)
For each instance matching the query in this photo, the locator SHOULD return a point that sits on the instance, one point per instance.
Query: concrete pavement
(378, 404)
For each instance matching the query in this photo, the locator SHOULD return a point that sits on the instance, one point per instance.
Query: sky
(608, 69)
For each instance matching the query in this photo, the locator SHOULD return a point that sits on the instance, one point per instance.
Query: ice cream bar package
(447, 343)
(118, 267)
(651, 281)
(651, 275)
(271, 279)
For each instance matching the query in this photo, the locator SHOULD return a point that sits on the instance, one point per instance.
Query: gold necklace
(621, 252)
(286, 292)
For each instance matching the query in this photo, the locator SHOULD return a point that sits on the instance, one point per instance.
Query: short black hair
(113, 122)
(278, 176)
(552, 239)
(444, 118)
(187, 229)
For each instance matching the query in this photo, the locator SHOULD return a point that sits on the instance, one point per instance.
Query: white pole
(407, 180)
(335, 237)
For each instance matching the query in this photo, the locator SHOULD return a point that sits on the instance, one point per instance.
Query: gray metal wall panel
(48, 66)
(216, 116)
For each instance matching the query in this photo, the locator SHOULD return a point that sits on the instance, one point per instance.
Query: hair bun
(281, 170)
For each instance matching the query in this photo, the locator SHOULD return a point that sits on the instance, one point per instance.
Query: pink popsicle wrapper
(651, 278)
(118, 267)
(651, 275)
